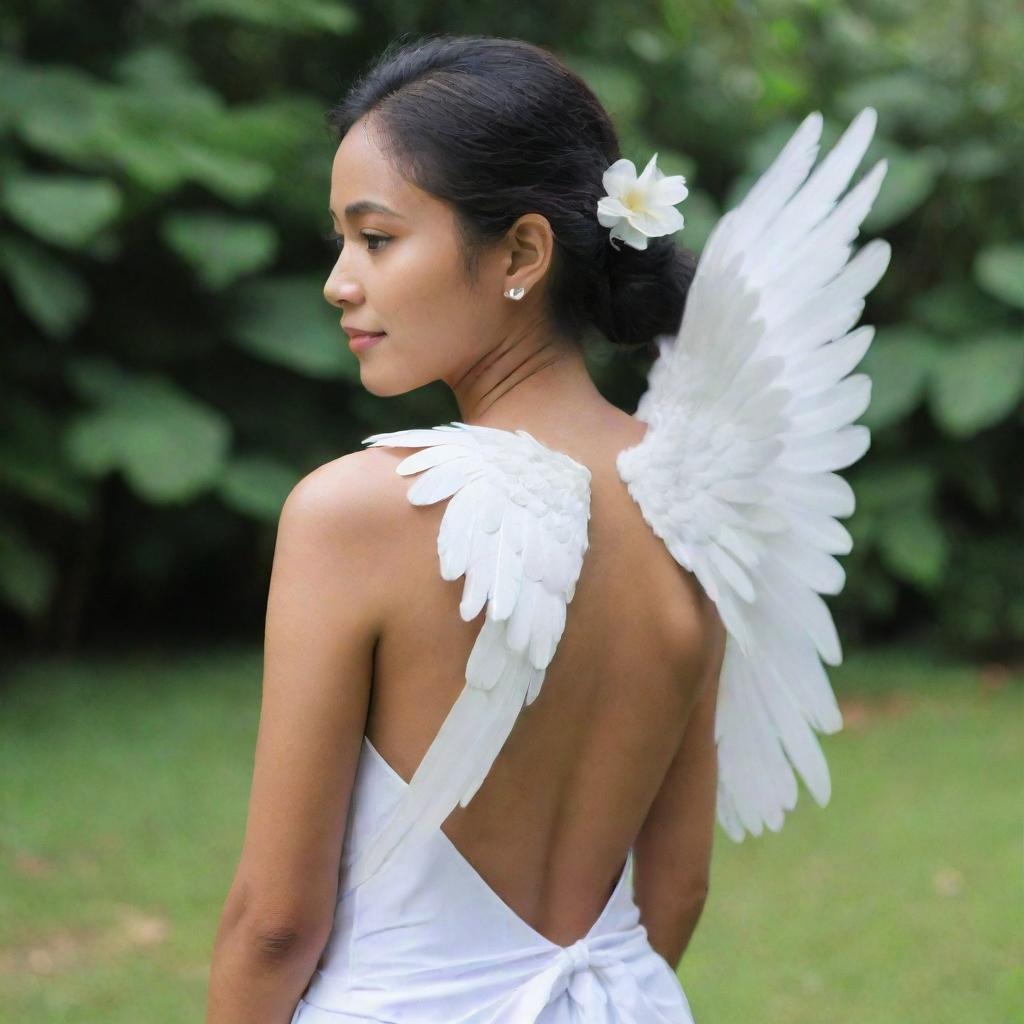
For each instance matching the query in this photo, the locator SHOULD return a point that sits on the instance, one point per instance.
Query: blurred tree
(171, 369)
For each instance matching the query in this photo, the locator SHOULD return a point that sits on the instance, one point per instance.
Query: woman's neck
(540, 382)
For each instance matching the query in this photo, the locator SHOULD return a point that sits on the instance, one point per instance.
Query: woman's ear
(531, 244)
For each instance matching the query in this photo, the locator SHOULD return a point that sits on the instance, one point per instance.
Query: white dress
(427, 941)
(750, 412)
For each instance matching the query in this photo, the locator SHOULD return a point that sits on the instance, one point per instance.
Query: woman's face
(402, 273)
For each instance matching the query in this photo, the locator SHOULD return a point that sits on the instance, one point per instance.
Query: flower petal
(670, 190)
(657, 220)
(619, 176)
(649, 175)
(610, 208)
(630, 235)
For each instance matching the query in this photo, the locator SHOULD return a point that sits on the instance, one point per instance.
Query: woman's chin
(380, 385)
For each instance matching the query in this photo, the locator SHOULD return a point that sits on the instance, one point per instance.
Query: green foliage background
(170, 368)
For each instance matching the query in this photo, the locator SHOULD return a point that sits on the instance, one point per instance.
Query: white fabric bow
(594, 976)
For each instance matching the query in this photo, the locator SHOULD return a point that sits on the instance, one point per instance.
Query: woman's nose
(341, 287)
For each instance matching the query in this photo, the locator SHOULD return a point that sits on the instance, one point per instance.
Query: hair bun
(646, 291)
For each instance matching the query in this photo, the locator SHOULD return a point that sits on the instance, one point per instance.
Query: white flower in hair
(640, 208)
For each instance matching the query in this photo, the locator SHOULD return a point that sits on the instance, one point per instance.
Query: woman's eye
(333, 236)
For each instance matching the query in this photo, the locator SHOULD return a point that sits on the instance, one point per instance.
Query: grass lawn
(123, 803)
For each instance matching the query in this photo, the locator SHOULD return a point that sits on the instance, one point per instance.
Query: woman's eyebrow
(366, 206)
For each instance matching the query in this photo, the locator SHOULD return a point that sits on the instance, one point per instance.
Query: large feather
(750, 410)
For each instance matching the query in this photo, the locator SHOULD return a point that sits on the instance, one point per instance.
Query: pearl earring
(515, 293)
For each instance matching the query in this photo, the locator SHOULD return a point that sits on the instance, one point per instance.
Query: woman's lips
(361, 342)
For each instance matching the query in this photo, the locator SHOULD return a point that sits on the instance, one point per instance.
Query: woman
(486, 794)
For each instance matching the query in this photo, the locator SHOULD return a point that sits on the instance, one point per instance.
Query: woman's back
(562, 805)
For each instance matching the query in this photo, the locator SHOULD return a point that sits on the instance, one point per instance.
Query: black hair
(499, 128)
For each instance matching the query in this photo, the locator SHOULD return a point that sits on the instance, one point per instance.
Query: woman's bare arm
(672, 853)
(324, 614)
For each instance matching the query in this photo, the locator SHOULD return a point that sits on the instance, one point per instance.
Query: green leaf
(55, 109)
(257, 486)
(894, 487)
(999, 269)
(89, 124)
(31, 461)
(27, 575)
(956, 307)
(11, 84)
(170, 446)
(49, 291)
(280, 131)
(976, 383)
(152, 162)
(234, 178)
(898, 362)
(290, 15)
(96, 380)
(157, 67)
(61, 208)
(878, 591)
(648, 44)
(978, 159)
(909, 180)
(906, 96)
(620, 90)
(785, 87)
(913, 545)
(286, 320)
(286, 134)
(976, 481)
(221, 248)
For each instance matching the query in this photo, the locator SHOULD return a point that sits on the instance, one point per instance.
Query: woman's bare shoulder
(360, 488)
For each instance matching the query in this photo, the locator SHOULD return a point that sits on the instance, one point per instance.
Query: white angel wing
(750, 413)
(516, 527)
